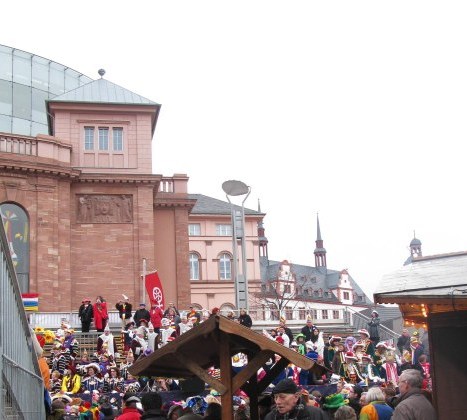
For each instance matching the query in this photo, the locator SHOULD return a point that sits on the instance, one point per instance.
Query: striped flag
(30, 301)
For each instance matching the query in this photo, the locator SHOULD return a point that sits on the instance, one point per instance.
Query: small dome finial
(101, 72)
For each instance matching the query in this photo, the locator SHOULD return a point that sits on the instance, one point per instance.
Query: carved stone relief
(92, 208)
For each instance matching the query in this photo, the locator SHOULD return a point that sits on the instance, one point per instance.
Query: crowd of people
(368, 378)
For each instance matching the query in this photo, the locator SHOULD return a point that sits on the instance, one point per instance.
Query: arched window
(16, 224)
(225, 268)
(194, 266)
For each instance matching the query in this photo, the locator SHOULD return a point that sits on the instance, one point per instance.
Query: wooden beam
(226, 375)
(200, 373)
(250, 369)
(272, 374)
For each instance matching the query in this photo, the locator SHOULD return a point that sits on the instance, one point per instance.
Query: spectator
(213, 411)
(171, 305)
(124, 309)
(288, 403)
(141, 314)
(345, 413)
(85, 314)
(412, 403)
(376, 407)
(152, 404)
(155, 316)
(245, 319)
(130, 410)
(192, 313)
(403, 342)
(287, 330)
(373, 327)
(99, 310)
(308, 330)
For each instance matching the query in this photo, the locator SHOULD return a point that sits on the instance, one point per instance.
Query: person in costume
(139, 344)
(131, 384)
(390, 367)
(286, 329)
(124, 309)
(331, 351)
(59, 359)
(338, 361)
(301, 346)
(349, 342)
(55, 382)
(71, 343)
(106, 343)
(71, 382)
(124, 366)
(416, 349)
(91, 381)
(167, 332)
(403, 342)
(113, 382)
(152, 338)
(380, 357)
(101, 316)
(352, 372)
(368, 346)
(85, 314)
(422, 361)
(185, 324)
(369, 370)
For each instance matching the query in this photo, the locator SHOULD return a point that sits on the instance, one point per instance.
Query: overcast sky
(355, 110)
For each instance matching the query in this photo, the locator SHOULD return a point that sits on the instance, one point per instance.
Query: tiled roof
(209, 205)
(313, 278)
(102, 91)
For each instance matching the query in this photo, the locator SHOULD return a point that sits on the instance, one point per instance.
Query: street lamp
(233, 189)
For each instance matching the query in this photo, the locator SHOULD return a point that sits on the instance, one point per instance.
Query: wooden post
(226, 376)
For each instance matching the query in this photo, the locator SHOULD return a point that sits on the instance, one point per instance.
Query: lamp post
(233, 189)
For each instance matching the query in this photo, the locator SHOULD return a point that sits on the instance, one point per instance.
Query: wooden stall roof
(201, 346)
(431, 284)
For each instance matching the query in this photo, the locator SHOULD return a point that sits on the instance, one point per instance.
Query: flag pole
(143, 285)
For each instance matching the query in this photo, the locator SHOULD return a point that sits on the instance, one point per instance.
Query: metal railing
(21, 383)
(358, 321)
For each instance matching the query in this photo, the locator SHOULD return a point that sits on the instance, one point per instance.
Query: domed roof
(415, 242)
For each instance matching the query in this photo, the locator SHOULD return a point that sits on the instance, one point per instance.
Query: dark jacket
(124, 310)
(85, 313)
(373, 328)
(141, 314)
(403, 343)
(300, 412)
(245, 320)
(154, 414)
(413, 405)
(308, 332)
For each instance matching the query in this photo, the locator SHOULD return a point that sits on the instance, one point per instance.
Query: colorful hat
(413, 339)
(334, 338)
(125, 297)
(86, 300)
(335, 401)
(357, 344)
(367, 357)
(350, 355)
(364, 331)
(165, 322)
(382, 344)
(93, 365)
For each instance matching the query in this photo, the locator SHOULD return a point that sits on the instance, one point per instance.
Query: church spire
(263, 241)
(415, 247)
(320, 251)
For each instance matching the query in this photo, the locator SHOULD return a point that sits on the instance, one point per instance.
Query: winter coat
(141, 314)
(154, 414)
(300, 412)
(413, 405)
(85, 313)
(373, 328)
(245, 320)
(130, 413)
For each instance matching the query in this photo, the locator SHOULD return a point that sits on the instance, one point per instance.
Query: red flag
(154, 288)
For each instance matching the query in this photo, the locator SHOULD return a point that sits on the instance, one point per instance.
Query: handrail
(21, 384)
(358, 321)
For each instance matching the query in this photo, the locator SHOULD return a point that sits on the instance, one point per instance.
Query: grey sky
(355, 110)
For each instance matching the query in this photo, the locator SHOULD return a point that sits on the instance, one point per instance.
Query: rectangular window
(314, 313)
(335, 314)
(194, 229)
(103, 138)
(88, 138)
(224, 230)
(301, 313)
(288, 313)
(117, 139)
(346, 296)
(287, 288)
(325, 313)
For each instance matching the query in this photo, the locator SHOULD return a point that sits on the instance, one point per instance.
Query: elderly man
(289, 405)
(413, 405)
(403, 342)
(308, 330)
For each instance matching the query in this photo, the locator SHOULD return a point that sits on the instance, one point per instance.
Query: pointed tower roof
(320, 251)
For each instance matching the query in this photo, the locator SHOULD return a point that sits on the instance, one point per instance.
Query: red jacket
(130, 413)
(156, 316)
